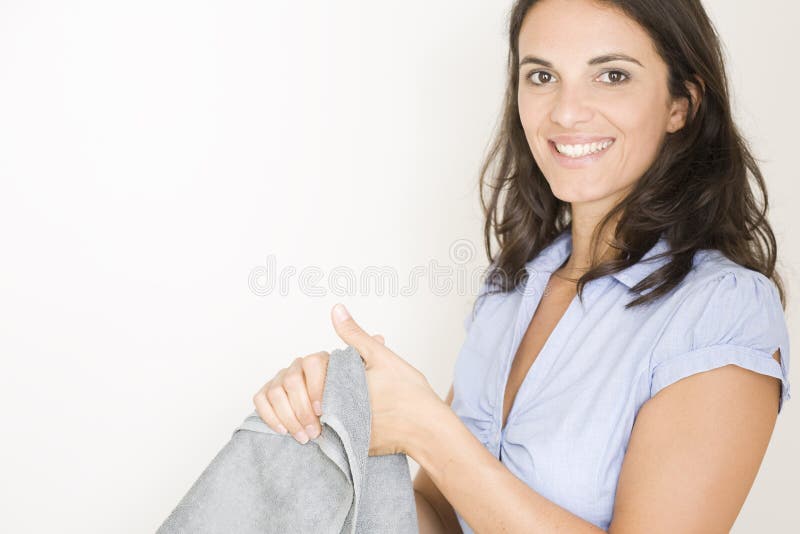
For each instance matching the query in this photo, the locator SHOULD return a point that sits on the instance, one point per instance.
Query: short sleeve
(736, 318)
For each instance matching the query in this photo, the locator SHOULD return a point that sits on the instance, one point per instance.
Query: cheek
(642, 120)
(533, 116)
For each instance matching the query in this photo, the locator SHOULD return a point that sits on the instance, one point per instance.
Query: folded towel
(265, 482)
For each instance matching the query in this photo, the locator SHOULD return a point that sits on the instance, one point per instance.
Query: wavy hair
(697, 191)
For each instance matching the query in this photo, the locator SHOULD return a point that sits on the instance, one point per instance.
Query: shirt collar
(554, 255)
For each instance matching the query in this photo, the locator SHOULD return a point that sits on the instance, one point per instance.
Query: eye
(615, 77)
(539, 74)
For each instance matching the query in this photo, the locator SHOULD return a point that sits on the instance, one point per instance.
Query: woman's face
(575, 96)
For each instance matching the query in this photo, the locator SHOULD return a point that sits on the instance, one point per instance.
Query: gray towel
(264, 482)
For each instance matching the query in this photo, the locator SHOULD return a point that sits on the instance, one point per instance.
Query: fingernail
(317, 408)
(312, 431)
(282, 429)
(301, 437)
(341, 312)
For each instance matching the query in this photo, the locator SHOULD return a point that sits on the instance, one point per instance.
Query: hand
(293, 398)
(400, 396)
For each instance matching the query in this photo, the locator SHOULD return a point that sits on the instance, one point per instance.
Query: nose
(570, 107)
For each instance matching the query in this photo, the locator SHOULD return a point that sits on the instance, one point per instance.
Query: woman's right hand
(292, 400)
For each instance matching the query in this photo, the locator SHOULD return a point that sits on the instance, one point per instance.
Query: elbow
(429, 520)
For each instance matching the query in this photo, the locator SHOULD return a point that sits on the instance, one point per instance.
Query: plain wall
(156, 156)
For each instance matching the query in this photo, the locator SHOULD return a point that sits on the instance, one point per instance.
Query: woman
(595, 391)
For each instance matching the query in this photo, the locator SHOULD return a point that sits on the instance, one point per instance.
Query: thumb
(352, 334)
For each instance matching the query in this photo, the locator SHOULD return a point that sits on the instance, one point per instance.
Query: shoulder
(721, 290)
(722, 313)
(711, 266)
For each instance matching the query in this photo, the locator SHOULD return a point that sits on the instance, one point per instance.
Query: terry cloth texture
(265, 482)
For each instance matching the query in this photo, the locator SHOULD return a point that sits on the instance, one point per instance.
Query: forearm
(479, 487)
(427, 517)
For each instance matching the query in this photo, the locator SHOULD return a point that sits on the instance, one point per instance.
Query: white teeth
(577, 151)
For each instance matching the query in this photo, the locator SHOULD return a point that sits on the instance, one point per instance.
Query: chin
(576, 191)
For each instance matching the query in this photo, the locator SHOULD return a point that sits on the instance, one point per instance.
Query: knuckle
(273, 393)
(316, 360)
(306, 418)
(293, 380)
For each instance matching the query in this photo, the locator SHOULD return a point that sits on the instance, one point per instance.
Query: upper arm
(718, 377)
(694, 452)
(424, 485)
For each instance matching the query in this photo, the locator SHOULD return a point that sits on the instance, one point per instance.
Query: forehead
(580, 29)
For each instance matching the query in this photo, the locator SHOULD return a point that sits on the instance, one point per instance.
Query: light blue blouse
(570, 422)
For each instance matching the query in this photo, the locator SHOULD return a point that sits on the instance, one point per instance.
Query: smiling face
(594, 124)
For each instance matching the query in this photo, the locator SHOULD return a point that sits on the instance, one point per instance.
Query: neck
(580, 258)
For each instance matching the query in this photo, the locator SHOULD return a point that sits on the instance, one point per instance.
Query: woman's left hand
(400, 396)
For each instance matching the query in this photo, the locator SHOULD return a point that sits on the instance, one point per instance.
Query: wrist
(430, 427)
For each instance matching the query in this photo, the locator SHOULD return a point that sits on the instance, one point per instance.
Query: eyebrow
(605, 58)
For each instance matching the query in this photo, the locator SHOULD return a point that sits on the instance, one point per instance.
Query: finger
(277, 397)
(294, 382)
(352, 334)
(265, 411)
(379, 339)
(315, 368)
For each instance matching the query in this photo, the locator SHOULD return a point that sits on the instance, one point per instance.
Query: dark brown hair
(697, 191)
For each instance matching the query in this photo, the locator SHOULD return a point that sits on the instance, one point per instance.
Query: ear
(680, 107)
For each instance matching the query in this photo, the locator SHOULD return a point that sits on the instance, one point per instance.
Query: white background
(153, 154)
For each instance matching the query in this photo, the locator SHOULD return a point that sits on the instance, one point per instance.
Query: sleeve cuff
(707, 358)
